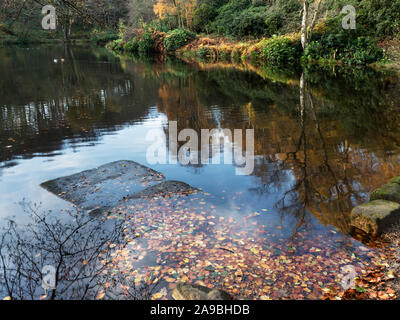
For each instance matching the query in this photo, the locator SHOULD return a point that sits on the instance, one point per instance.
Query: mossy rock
(375, 217)
(395, 180)
(390, 192)
(196, 292)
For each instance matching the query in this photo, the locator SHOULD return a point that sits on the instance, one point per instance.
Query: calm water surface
(314, 162)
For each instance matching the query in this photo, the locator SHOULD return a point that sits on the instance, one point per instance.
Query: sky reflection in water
(311, 167)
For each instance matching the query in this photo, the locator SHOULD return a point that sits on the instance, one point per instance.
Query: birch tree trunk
(307, 26)
(304, 25)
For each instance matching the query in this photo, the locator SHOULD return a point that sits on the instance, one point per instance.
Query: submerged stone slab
(197, 292)
(164, 188)
(375, 217)
(389, 192)
(103, 188)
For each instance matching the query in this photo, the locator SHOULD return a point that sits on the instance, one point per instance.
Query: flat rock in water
(389, 192)
(375, 217)
(197, 292)
(164, 188)
(103, 188)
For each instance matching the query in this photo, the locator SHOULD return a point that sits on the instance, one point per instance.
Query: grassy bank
(270, 33)
(284, 50)
(391, 47)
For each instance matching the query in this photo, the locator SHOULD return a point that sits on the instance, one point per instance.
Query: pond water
(284, 229)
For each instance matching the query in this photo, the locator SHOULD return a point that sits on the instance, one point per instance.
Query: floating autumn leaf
(169, 279)
(254, 250)
(190, 242)
(157, 295)
(100, 295)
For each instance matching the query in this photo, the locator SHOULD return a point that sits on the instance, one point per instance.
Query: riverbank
(41, 37)
(283, 51)
(391, 47)
(381, 281)
(376, 222)
(216, 49)
(13, 40)
(18, 42)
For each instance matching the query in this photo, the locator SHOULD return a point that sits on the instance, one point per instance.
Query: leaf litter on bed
(192, 238)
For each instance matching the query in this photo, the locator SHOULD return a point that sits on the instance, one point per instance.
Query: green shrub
(273, 23)
(251, 21)
(225, 55)
(122, 28)
(109, 45)
(167, 24)
(103, 37)
(314, 50)
(177, 38)
(204, 53)
(349, 46)
(224, 23)
(116, 45)
(363, 51)
(119, 45)
(203, 16)
(280, 50)
(239, 18)
(236, 55)
(146, 43)
(283, 17)
(132, 46)
(377, 18)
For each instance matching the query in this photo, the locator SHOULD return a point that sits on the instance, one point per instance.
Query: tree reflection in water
(78, 246)
(322, 153)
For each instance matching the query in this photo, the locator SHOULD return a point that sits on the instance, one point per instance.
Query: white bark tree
(310, 13)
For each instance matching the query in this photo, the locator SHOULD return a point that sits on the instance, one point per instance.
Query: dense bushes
(177, 38)
(361, 50)
(103, 37)
(272, 20)
(204, 53)
(142, 46)
(348, 46)
(202, 17)
(238, 18)
(146, 43)
(116, 45)
(280, 50)
(250, 22)
(241, 18)
(377, 18)
(382, 17)
(165, 25)
(227, 17)
(132, 46)
(282, 17)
